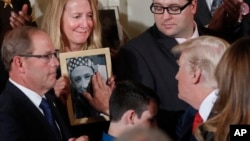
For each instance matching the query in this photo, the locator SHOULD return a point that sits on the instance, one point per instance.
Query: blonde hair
(233, 103)
(203, 52)
(51, 23)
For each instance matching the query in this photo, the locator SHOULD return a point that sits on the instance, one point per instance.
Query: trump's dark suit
(21, 120)
(185, 125)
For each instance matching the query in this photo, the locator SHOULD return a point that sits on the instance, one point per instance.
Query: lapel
(185, 124)
(202, 16)
(164, 43)
(23, 100)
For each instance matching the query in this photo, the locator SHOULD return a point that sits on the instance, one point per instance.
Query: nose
(166, 15)
(85, 83)
(55, 61)
(84, 22)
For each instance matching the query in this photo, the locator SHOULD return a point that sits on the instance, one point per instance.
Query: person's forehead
(182, 58)
(82, 70)
(42, 43)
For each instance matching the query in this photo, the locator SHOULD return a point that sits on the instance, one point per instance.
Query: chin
(179, 96)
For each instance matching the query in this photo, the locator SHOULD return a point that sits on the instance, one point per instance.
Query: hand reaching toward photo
(101, 93)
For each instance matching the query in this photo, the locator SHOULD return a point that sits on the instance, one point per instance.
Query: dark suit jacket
(21, 120)
(185, 125)
(203, 15)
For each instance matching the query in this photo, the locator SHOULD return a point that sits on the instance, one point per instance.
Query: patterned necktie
(48, 115)
(215, 5)
(197, 121)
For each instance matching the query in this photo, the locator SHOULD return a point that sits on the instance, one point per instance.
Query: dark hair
(130, 95)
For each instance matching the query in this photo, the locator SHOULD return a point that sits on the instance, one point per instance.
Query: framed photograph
(115, 9)
(111, 30)
(80, 66)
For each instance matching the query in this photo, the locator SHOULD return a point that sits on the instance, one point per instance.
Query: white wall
(135, 15)
(138, 16)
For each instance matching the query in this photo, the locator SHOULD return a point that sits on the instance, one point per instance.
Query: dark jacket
(21, 120)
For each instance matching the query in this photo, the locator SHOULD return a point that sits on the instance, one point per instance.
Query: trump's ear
(196, 76)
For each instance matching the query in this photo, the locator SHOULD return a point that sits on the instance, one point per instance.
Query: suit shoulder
(141, 42)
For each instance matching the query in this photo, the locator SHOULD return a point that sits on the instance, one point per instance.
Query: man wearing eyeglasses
(25, 113)
(148, 59)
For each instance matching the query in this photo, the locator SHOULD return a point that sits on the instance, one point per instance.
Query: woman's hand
(61, 89)
(101, 93)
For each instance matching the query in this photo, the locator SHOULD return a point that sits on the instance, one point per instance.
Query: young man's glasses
(172, 9)
(48, 57)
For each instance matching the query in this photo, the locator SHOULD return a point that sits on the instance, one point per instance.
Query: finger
(25, 9)
(17, 21)
(12, 25)
(13, 18)
(24, 17)
(111, 80)
(232, 6)
(12, 22)
(24, 12)
(61, 79)
(66, 79)
(100, 80)
(112, 85)
(94, 82)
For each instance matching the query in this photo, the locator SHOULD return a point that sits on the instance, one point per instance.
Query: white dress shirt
(207, 104)
(209, 4)
(33, 96)
(195, 35)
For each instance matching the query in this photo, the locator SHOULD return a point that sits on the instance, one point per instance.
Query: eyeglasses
(48, 57)
(172, 9)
